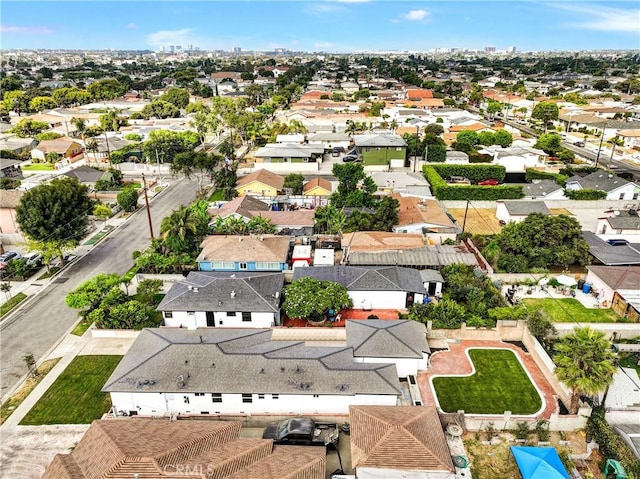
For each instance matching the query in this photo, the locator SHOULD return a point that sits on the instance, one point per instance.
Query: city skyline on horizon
(334, 26)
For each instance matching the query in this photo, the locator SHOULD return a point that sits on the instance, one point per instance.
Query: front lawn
(570, 310)
(499, 384)
(38, 167)
(75, 397)
(12, 303)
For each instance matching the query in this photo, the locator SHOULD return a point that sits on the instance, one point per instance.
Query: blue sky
(322, 25)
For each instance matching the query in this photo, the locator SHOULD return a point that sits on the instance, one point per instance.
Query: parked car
(459, 180)
(6, 258)
(488, 182)
(34, 259)
(579, 143)
(337, 150)
(618, 242)
(350, 158)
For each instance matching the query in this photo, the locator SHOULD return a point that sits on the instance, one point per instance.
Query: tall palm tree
(81, 126)
(259, 225)
(296, 126)
(585, 363)
(179, 229)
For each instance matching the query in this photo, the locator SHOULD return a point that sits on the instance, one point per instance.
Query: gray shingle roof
(381, 338)
(599, 180)
(624, 220)
(611, 255)
(429, 275)
(252, 292)
(379, 140)
(85, 174)
(542, 188)
(390, 278)
(524, 208)
(232, 361)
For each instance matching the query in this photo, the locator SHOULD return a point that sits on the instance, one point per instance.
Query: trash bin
(586, 288)
(581, 283)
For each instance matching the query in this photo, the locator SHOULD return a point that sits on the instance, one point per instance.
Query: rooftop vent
(232, 294)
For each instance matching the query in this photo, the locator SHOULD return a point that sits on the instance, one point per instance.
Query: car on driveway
(6, 258)
(337, 150)
(350, 158)
(488, 182)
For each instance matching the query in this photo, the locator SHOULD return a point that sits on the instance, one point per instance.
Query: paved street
(43, 321)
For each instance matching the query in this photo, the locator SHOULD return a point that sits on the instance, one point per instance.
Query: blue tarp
(539, 462)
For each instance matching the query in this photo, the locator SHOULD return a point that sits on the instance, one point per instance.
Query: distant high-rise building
(489, 49)
(511, 49)
(237, 50)
(162, 48)
(172, 48)
(178, 48)
(190, 48)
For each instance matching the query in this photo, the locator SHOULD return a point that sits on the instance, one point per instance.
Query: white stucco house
(218, 371)
(232, 300)
(616, 188)
(403, 343)
(517, 211)
(383, 287)
(620, 224)
(543, 190)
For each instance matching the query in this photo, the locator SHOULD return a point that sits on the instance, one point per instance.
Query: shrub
(443, 191)
(522, 430)
(586, 194)
(611, 445)
(532, 174)
(473, 172)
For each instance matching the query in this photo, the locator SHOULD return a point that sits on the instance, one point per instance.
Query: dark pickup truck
(302, 431)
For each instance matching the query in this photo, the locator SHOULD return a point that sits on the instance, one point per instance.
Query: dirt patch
(480, 221)
(560, 211)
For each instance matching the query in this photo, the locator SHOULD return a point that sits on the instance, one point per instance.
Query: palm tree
(296, 126)
(81, 126)
(259, 225)
(585, 363)
(179, 229)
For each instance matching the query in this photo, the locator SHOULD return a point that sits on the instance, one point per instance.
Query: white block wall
(199, 320)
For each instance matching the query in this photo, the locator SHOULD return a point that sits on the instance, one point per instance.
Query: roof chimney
(233, 294)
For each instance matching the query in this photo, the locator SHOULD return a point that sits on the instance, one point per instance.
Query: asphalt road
(40, 324)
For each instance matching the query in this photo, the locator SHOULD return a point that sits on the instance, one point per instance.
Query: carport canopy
(539, 462)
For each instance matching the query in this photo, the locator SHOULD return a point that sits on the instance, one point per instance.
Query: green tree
(179, 230)
(106, 89)
(259, 225)
(179, 97)
(494, 107)
(601, 85)
(295, 181)
(466, 141)
(164, 145)
(147, 290)
(91, 293)
(329, 219)
(128, 199)
(48, 135)
(434, 128)
(486, 138)
(102, 211)
(190, 164)
(160, 109)
(15, 100)
(112, 121)
(445, 314)
(585, 363)
(550, 143)
(41, 103)
(502, 138)
(55, 212)
(311, 298)
(29, 128)
(545, 111)
(355, 188)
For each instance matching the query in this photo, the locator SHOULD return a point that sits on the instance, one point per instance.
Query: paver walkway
(344, 315)
(455, 362)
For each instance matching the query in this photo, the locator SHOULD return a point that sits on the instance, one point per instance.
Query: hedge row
(444, 191)
(477, 172)
(532, 174)
(586, 194)
(611, 445)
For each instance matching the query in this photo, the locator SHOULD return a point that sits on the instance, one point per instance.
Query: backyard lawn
(75, 397)
(499, 384)
(569, 310)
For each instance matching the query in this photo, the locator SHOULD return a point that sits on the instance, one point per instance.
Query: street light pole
(600, 146)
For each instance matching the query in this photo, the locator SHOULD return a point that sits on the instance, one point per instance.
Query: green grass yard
(499, 384)
(75, 397)
(569, 310)
(38, 167)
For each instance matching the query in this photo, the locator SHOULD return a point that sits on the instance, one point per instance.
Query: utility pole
(146, 202)
(600, 146)
(464, 221)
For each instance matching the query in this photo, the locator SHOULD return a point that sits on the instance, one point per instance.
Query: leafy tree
(92, 292)
(106, 89)
(15, 100)
(502, 138)
(540, 326)
(486, 138)
(295, 181)
(584, 363)
(550, 143)
(165, 144)
(160, 109)
(259, 225)
(128, 199)
(55, 212)
(311, 298)
(102, 211)
(29, 128)
(350, 177)
(147, 290)
(329, 219)
(434, 128)
(376, 108)
(545, 111)
(386, 216)
(601, 85)
(129, 315)
(41, 103)
(466, 140)
(48, 135)
(182, 230)
(133, 137)
(494, 107)
(112, 121)
(179, 97)
(445, 314)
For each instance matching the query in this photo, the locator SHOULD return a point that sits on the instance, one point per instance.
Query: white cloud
(26, 29)
(171, 37)
(323, 45)
(601, 18)
(415, 15)
(132, 26)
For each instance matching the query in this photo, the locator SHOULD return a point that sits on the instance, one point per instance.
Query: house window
(260, 396)
(191, 313)
(186, 399)
(247, 398)
(635, 196)
(199, 395)
(275, 396)
(316, 395)
(222, 265)
(367, 149)
(216, 397)
(168, 314)
(246, 317)
(621, 196)
(231, 314)
(243, 265)
(398, 148)
(204, 412)
(268, 265)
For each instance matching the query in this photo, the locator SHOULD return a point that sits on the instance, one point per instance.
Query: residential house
(87, 175)
(610, 255)
(372, 241)
(515, 159)
(105, 148)
(243, 371)
(260, 183)
(543, 189)
(402, 342)
(64, 149)
(517, 211)
(616, 188)
(381, 151)
(631, 138)
(630, 433)
(17, 146)
(243, 253)
(328, 139)
(317, 187)
(456, 157)
(618, 287)
(10, 169)
(427, 257)
(405, 183)
(433, 281)
(295, 138)
(622, 402)
(232, 300)
(156, 449)
(400, 441)
(390, 287)
(9, 228)
(421, 98)
(419, 215)
(620, 224)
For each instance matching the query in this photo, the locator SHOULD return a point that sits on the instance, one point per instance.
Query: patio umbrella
(543, 281)
(539, 462)
(566, 280)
